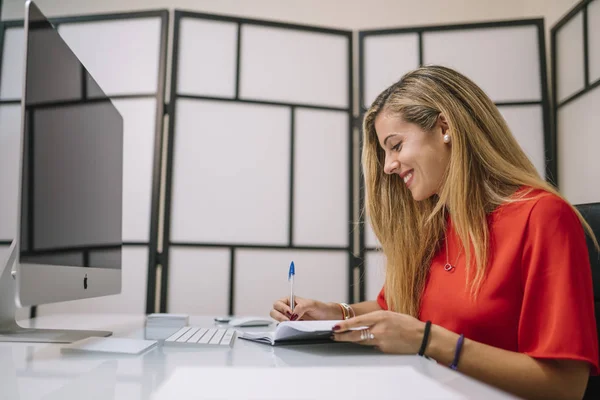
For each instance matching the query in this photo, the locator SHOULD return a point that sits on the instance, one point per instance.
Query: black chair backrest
(591, 213)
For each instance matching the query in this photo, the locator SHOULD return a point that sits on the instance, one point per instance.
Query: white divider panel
(131, 300)
(199, 281)
(261, 277)
(207, 58)
(13, 57)
(370, 238)
(294, 66)
(578, 143)
(321, 187)
(526, 124)
(102, 46)
(569, 64)
(374, 273)
(231, 173)
(594, 40)
(386, 59)
(138, 148)
(10, 126)
(503, 61)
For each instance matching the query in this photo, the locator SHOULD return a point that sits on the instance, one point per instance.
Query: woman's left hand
(389, 331)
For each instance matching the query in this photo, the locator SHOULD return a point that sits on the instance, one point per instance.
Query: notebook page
(288, 328)
(291, 330)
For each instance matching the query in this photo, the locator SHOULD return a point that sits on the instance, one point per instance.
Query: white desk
(40, 371)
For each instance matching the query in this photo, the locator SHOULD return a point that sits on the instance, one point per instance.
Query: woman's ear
(443, 123)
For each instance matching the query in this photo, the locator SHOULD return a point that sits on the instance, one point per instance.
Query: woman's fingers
(362, 336)
(302, 307)
(361, 329)
(283, 307)
(365, 320)
(277, 316)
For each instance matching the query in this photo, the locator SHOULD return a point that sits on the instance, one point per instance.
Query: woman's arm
(513, 372)
(365, 307)
(308, 309)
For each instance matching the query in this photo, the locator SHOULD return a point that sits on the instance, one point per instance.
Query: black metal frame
(549, 138)
(587, 85)
(164, 257)
(159, 96)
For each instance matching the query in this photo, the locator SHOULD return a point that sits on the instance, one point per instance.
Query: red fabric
(537, 298)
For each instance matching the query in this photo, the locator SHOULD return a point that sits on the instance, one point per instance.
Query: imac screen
(72, 175)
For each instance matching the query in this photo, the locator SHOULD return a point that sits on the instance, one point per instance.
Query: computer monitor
(69, 240)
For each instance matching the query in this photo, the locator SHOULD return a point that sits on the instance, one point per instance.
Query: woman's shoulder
(535, 205)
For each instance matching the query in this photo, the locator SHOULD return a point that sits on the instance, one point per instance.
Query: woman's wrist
(335, 311)
(442, 345)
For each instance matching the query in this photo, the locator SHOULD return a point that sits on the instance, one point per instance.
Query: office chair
(591, 213)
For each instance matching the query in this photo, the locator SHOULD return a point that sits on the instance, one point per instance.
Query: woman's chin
(419, 195)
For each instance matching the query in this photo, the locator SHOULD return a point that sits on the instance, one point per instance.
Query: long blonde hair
(486, 167)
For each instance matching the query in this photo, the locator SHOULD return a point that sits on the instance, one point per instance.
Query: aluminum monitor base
(11, 331)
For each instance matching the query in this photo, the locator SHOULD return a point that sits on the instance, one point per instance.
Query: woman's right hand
(305, 309)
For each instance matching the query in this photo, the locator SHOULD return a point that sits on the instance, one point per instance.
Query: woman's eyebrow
(389, 136)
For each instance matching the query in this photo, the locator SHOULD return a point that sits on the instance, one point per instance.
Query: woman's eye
(397, 147)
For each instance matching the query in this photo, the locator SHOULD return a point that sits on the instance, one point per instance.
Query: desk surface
(40, 371)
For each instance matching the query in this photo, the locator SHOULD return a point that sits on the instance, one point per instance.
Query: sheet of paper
(311, 326)
(299, 383)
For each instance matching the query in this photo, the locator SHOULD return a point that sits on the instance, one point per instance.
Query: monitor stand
(10, 330)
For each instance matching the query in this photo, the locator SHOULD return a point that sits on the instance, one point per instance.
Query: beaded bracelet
(459, 345)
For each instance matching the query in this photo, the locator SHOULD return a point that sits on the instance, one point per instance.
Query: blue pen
(291, 274)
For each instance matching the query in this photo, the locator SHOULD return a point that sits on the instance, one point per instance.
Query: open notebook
(294, 332)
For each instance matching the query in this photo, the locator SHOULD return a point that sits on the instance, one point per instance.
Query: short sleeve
(381, 300)
(557, 316)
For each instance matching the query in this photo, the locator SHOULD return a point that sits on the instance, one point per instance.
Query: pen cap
(292, 271)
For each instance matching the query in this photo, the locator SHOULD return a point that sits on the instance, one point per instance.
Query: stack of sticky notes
(162, 325)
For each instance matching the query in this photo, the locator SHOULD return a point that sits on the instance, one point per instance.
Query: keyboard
(191, 336)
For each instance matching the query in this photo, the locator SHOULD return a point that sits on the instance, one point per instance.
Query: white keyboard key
(206, 338)
(187, 335)
(197, 335)
(227, 338)
(217, 338)
(177, 334)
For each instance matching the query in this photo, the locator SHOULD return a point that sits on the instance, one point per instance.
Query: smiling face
(419, 157)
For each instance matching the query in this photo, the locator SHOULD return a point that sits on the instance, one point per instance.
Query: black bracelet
(425, 338)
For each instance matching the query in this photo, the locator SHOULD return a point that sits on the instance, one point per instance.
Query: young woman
(487, 265)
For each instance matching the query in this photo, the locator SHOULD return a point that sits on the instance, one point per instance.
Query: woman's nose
(391, 167)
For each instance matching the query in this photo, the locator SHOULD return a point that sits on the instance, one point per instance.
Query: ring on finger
(366, 334)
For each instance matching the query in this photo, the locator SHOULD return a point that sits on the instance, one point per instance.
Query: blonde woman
(487, 265)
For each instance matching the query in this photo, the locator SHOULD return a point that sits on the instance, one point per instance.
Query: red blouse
(537, 297)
